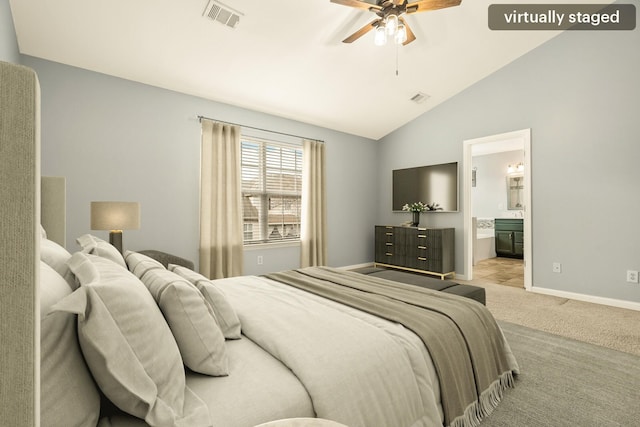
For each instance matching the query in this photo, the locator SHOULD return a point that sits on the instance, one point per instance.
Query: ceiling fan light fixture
(380, 36)
(389, 13)
(391, 24)
(401, 34)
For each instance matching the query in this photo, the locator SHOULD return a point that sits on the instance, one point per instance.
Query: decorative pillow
(225, 314)
(68, 394)
(128, 345)
(56, 257)
(94, 245)
(139, 264)
(192, 322)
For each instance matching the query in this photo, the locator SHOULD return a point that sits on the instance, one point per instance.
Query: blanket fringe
(488, 401)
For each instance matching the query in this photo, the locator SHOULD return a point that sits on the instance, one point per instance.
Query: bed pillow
(139, 264)
(94, 245)
(192, 322)
(226, 315)
(128, 345)
(56, 257)
(68, 394)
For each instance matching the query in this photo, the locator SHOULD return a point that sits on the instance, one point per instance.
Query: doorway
(502, 142)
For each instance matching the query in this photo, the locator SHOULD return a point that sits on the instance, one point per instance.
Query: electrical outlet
(557, 267)
(632, 276)
(260, 260)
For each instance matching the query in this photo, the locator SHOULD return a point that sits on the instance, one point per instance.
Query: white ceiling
(285, 57)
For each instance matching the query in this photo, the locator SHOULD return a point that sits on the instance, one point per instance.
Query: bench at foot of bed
(474, 292)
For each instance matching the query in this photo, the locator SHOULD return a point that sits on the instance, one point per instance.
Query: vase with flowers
(417, 207)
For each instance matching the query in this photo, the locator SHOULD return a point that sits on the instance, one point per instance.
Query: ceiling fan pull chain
(397, 49)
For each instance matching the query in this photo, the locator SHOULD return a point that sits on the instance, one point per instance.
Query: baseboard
(353, 267)
(630, 305)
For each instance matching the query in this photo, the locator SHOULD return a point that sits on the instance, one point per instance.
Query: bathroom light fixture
(115, 217)
(517, 168)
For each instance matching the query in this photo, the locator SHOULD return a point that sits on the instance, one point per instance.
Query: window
(271, 190)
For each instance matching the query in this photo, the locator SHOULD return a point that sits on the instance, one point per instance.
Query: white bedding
(258, 389)
(305, 356)
(302, 355)
(359, 370)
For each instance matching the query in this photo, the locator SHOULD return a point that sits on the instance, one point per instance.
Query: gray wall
(8, 43)
(580, 95)
(489, 196)
(119, 140)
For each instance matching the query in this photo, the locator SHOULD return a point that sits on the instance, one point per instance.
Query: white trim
(631, 305)
(525, 136)
(353, 267)
(271, 245)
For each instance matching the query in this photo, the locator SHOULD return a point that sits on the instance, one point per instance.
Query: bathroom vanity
(509, 234)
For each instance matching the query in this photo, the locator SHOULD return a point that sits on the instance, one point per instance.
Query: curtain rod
(261, 129)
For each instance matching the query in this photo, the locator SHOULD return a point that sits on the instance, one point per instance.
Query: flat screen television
(427, 184)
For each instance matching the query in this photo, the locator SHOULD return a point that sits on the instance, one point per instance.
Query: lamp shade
(115, 215)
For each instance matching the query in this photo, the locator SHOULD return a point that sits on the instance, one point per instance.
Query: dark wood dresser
(424, 250)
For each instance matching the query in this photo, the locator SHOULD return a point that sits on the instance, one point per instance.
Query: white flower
(421, 207)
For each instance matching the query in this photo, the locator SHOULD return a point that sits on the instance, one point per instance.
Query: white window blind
(271, 190)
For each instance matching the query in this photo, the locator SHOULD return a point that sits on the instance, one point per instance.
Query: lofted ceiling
(284, 57)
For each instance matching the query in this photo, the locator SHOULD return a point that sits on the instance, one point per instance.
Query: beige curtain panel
(221, 238)
(313, 231)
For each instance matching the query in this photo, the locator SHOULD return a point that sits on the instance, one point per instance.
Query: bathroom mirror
(515, 192)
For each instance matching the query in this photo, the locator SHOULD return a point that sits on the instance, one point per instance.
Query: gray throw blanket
(462, 337)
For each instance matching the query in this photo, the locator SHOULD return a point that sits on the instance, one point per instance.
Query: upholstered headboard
(53, 208)
(19, 243)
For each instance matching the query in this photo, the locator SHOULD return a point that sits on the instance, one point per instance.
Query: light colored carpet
(564, 382)
(611, 327)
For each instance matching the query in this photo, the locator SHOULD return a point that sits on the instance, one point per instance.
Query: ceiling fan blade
(362, 31)
(358, 4)
(410, 36)
(426, 5)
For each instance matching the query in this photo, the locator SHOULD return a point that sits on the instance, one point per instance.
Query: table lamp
(115, 217)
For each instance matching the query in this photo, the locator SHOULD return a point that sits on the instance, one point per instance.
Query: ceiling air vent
(419, 98)
(222, 13)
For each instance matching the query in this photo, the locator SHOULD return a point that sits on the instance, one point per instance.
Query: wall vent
(222, 13)
(419, 98)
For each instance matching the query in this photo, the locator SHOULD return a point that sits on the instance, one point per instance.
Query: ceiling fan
(390, 21)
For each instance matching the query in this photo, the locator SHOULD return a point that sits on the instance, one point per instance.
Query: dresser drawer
(430, 250)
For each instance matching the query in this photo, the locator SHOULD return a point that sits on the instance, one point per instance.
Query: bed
(125, 341)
